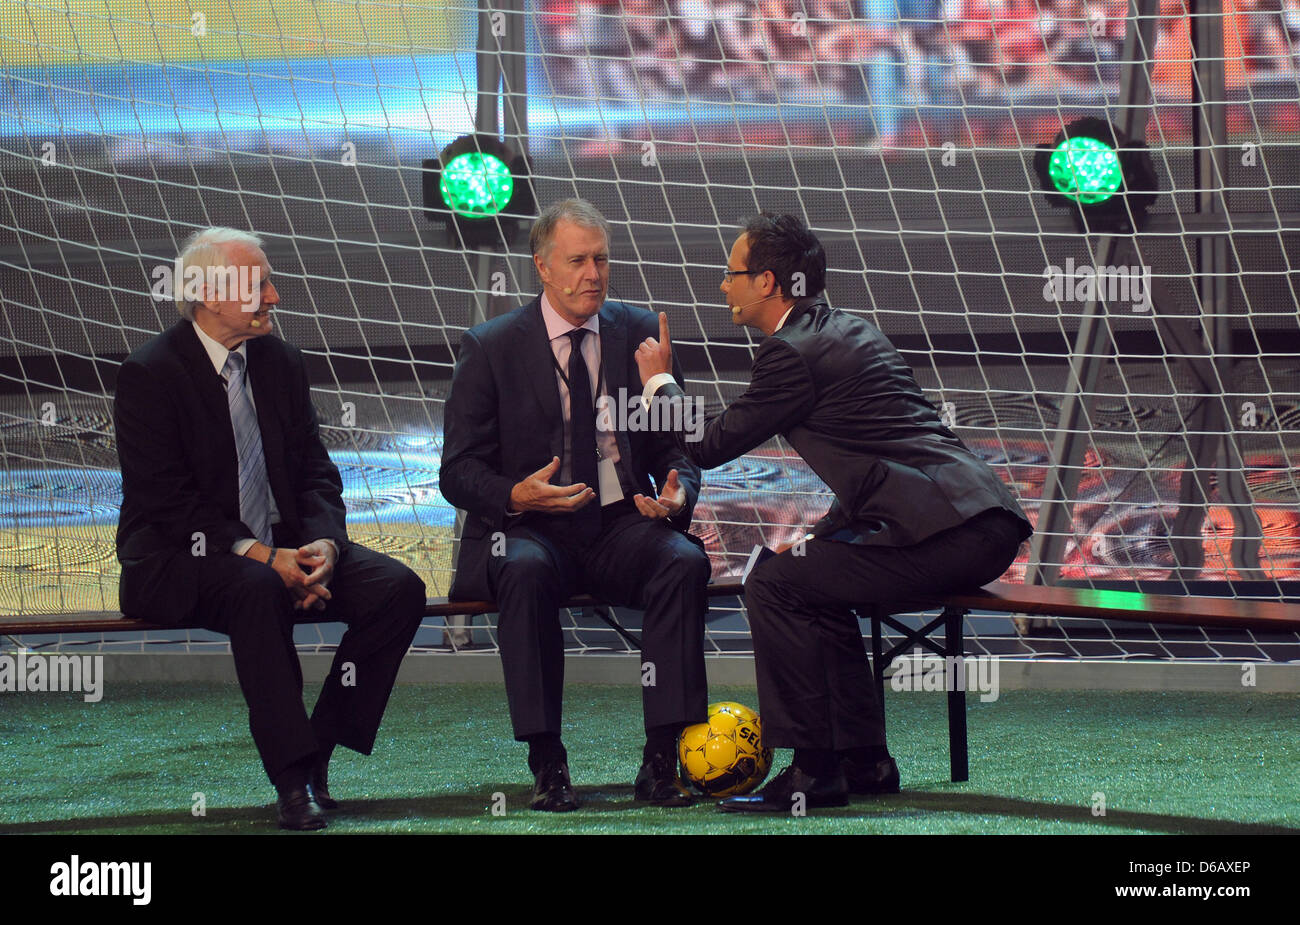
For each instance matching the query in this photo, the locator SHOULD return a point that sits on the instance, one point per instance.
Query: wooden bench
(998, 597)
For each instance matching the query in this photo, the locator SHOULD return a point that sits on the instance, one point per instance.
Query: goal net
(902, 131)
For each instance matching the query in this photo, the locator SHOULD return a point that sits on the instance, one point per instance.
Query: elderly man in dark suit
(523, 412)
(233, 520)
(915, 512)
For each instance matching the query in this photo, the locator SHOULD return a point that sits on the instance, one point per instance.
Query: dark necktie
(582, 435)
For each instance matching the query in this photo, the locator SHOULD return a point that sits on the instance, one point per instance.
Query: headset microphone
(568, 290)
(255, 323)
(735, 309)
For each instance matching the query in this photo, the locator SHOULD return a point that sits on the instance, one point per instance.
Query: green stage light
(477, 185)
(1086, 170)
(1105, 179)
(481, 189)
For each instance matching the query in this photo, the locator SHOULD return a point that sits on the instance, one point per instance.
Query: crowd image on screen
(895, 55)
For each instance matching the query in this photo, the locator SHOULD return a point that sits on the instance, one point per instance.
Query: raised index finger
(663, 332)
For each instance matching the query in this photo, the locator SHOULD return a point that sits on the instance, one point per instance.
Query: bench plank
(1038, 600)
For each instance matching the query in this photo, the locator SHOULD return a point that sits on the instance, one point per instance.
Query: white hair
(206, 248)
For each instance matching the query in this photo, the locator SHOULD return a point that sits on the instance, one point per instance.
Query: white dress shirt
(218, 354)
(557, 330)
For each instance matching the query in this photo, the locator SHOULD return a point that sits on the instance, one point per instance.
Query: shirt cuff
(333, 545)
(653, 385)
(242, 546)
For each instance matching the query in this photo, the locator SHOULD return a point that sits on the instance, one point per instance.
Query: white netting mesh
(902, 131)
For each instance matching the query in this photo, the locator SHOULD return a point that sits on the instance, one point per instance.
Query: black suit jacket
(504, 422)
(838, 391)
(180, 473)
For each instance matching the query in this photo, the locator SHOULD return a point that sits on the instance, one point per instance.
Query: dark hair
(784, 245)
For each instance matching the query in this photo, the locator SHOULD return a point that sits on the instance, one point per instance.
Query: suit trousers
(382, 603)
(815, 687)
(634, 562)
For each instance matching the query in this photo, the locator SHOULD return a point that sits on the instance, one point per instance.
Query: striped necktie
(254, 489)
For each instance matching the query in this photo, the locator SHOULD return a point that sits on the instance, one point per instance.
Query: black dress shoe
(779, 796)
(298, 811)
(657, 782)
(552, 791)
(870, 778)
(319, 785)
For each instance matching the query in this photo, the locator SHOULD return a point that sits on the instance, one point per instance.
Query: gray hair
(578, 211)
(205, 248)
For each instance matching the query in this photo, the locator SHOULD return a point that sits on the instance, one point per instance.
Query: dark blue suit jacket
(180, 472)
(503, 422)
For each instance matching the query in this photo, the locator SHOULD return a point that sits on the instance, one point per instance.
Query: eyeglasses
(729, 274)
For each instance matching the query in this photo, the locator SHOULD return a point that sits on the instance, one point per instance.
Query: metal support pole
(514, 68)
(1093, 340)
(1216, 448)
(501, 52)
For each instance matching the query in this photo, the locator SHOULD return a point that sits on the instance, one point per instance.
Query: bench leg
(957, 747)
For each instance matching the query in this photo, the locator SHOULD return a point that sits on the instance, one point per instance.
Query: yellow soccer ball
(725, 756)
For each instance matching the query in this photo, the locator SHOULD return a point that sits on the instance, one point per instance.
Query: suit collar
(801, 307)
(537, 364)
(613, 349)
(198, 364)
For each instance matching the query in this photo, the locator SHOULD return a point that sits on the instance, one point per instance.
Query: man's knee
(411, 588)
(768, 585)
(403, 589)
(526, 566)
(684, 563)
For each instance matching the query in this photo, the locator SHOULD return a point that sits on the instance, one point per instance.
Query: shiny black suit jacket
(840, 394)
(180, 473)
(503, 422)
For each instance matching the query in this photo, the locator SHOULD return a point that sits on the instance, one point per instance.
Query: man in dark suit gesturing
(915, 512)
(521, 415)
(233, 519)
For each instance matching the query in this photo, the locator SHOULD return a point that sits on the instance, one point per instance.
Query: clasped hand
(306, 572)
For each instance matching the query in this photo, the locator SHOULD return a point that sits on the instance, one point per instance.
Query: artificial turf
(1169, 762)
